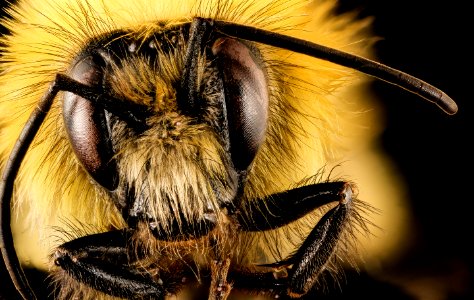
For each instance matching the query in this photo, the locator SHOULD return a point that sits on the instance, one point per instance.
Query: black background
(432, 150)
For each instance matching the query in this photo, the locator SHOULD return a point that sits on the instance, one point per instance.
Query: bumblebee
(164, 145)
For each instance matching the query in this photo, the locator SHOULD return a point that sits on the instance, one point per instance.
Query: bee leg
(310, 259)
(280, 209)
(102, 262)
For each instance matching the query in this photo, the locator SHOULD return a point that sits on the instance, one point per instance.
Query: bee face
(199, 135)
(179, 149)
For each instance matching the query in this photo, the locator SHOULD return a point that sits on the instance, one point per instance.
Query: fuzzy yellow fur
(320, 115)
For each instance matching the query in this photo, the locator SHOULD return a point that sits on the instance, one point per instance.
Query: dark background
(432, 150)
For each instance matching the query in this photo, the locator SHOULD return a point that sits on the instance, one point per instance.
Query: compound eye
(246, 93)
(87, 127)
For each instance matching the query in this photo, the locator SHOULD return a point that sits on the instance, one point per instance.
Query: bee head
(203, 106)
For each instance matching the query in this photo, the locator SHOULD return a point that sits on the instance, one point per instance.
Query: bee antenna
(10, 172)
(364, 65)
